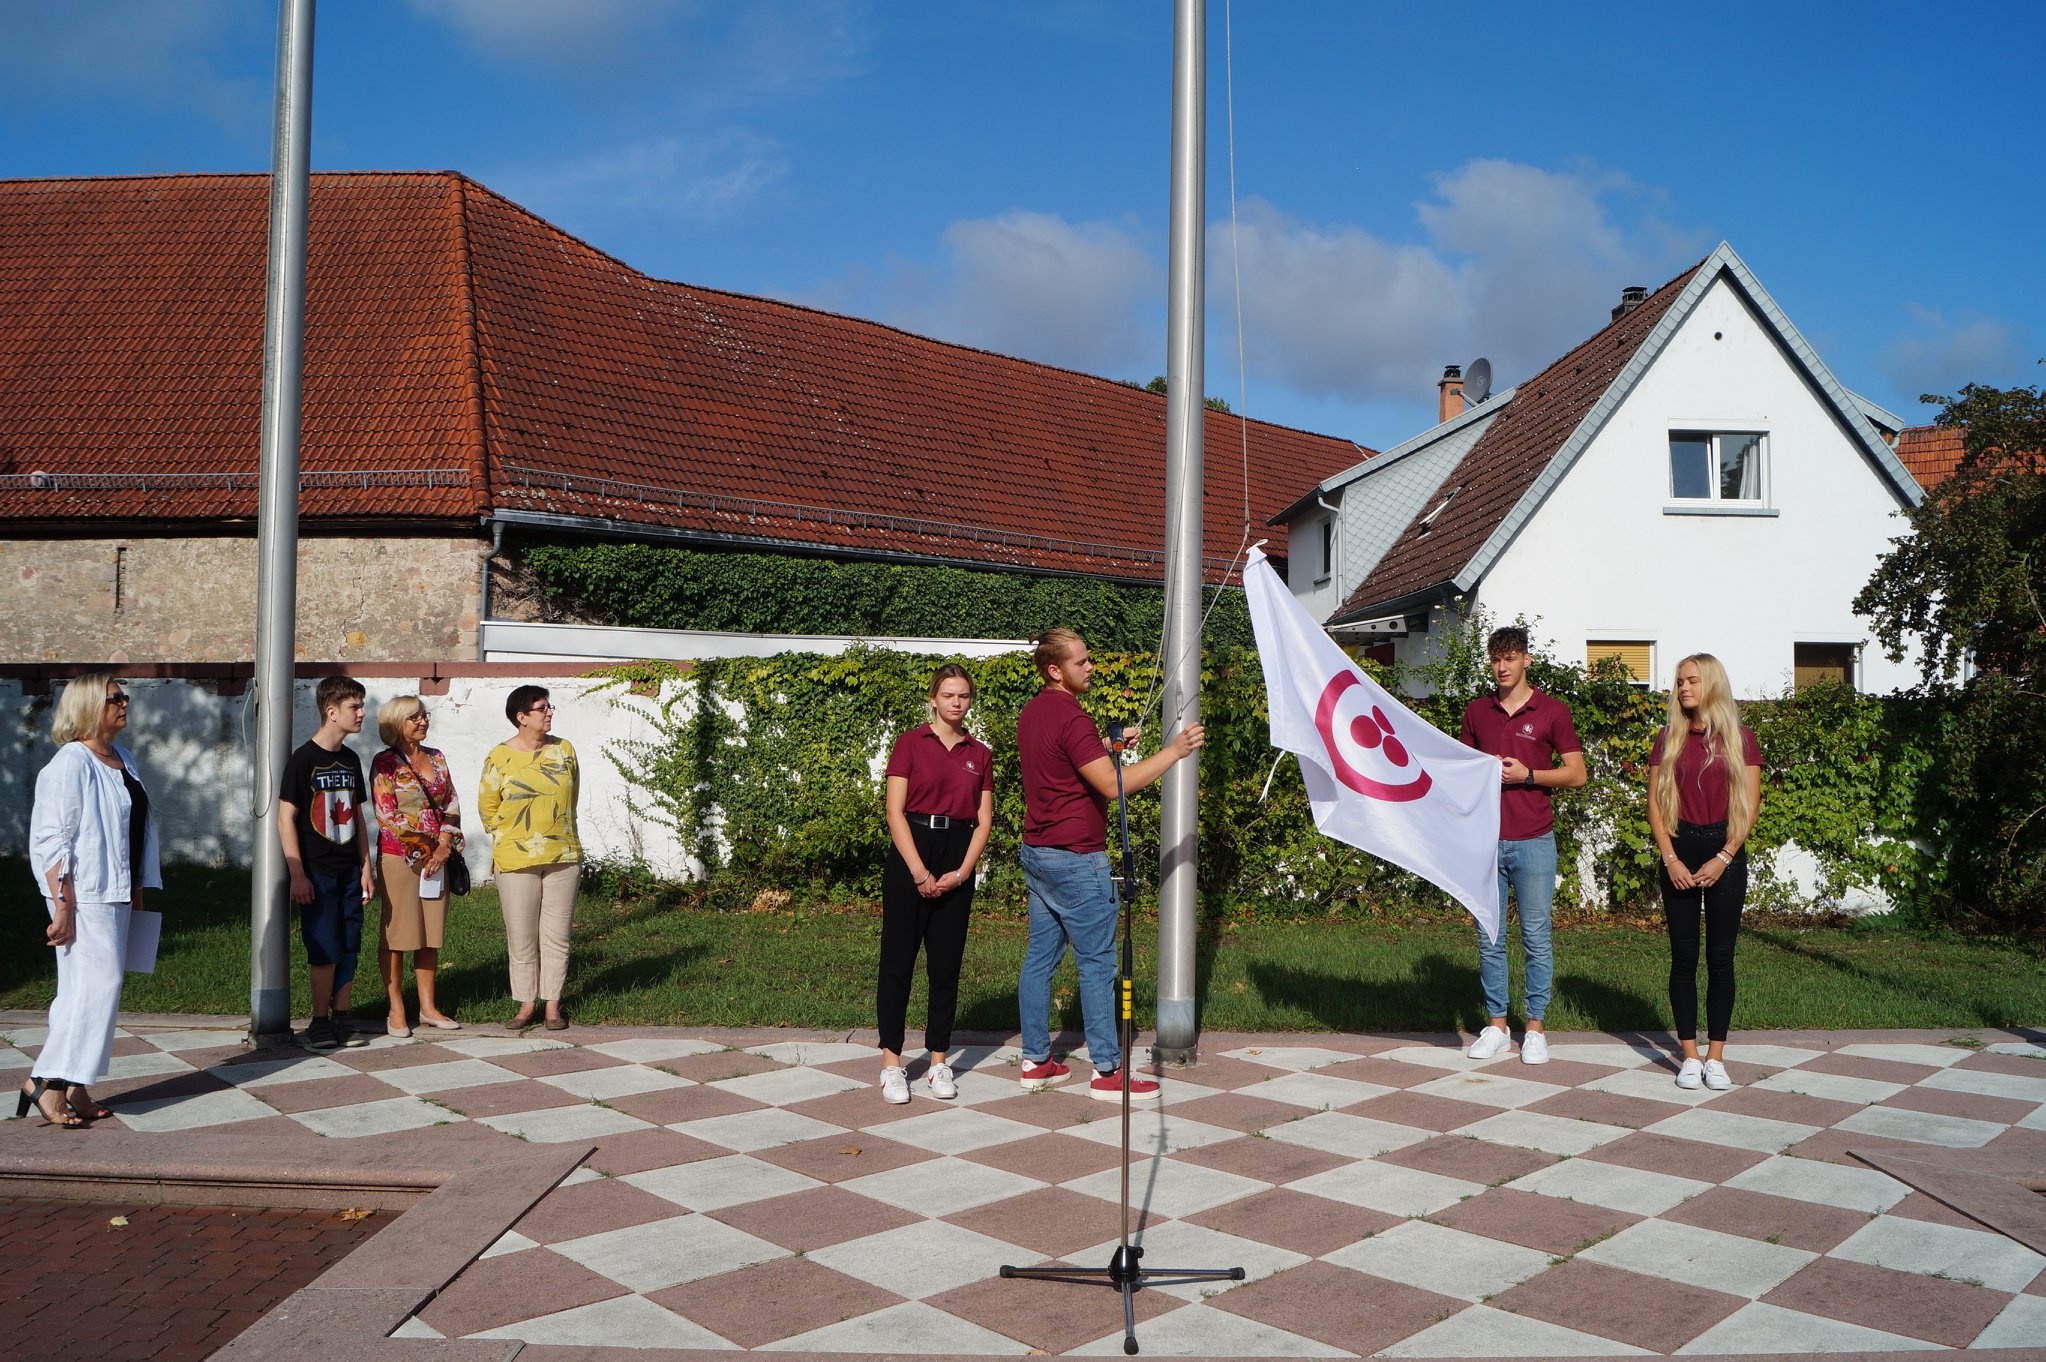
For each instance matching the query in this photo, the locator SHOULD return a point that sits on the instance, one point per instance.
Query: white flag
(1379, 776)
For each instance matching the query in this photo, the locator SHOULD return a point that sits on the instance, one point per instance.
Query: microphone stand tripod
(1123, 1271)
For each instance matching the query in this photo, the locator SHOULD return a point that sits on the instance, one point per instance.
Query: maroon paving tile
(1050, 1316)
(672, 1106)
(213, 1055)
(591, 1208)
(1607, 1108)
(721, 1064)
(1907, 1303)
(1293, 1220)
(1048, 1110)
(1861, 1066)
(132, 1045)
(635, 1151)
(1772, 1219)
(515, 1286)
(1648, 1312)
(1834, 1146)
(1534, 1221)
(1974, 1106)
(393, 1057)
(814, 1218)
(1745, 1074)
(1272, 1161)
(1786, 1106)
(1386, 1073)
(1056, 1157)
(834, 1158)
(1242, 1111)
(868, 1068)
(1334, 1305)
(2024, 1066)
(317, 1094)
(776, 1300)
(1685, 1158)
(861, 1109)
(1473, 1160)
(2031, 1143)
(501, 1099)
(1422, 1110)
(1232, 1075)
(1919, 1206)
(1563, 1073)
(1053, 1221)
(543, 1063)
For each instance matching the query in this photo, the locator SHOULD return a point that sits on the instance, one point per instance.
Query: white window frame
(1713, 503)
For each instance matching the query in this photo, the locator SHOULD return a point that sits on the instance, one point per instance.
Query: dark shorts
(331, 925)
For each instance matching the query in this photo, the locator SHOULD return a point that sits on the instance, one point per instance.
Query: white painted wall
(1304, 568)
(1602, 559)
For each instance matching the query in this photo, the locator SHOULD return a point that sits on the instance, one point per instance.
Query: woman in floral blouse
(528, 806)
(419, 828)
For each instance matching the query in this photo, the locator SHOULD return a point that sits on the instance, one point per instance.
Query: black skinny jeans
(1694, 844)
(938, 926)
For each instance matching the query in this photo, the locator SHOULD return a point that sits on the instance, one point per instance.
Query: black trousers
(910, 921)
(1694, 844)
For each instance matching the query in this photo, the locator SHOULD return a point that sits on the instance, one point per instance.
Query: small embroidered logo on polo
(1527, 730)
(971, 769)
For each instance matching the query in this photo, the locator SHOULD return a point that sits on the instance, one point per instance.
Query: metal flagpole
(1178, 898)
(277, 520)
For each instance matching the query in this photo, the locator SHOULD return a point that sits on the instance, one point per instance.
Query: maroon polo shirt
(1535, 735)
(1054, 739)
(943, 781)
(1702, 789)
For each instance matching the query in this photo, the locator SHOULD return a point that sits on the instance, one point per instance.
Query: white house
(1691, 478)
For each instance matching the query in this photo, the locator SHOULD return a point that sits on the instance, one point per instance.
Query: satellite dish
(1477, 382)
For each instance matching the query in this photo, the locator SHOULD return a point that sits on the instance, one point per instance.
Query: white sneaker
(1690, 1074)
(1492, 1042)
(1716, 1076)
(1534, 1048)
(894, 1085)
(940, 1079)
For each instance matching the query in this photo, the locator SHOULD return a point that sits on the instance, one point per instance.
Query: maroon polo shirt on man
(949, 782)
(1054, 739)
(1702, 791)
(1535, 735)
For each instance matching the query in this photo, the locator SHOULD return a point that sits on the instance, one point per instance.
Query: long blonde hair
(78, 710)
(1722, 720)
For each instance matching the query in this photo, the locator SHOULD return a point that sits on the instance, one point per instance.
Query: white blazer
(80, 825)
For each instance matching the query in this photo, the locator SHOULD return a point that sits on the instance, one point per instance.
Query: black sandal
(71, 1120)
(100, 1111)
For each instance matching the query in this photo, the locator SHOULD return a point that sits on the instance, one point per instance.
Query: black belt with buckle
(937, 822)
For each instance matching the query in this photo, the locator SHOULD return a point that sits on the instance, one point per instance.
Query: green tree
(1161, 387)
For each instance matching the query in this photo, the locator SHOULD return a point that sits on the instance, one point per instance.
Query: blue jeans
(1528, 867)
(1072, 902)
(331, 925)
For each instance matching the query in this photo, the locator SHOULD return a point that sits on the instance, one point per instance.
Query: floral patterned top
(528, 805)
(408, 825)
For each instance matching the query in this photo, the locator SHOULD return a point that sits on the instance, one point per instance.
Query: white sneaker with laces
(1690, 1074)
(1534, 1048)
(1716, 1076)
(894, 1085)
(940, 1079)
(1492, 1042)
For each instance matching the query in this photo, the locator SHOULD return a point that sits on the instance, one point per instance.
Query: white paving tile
(621, 1322)
(458, 1073)
(713, 1184)
(578, 1176)
(416, 1328)
(941, 1186)
(1686, 1253)
(1608, 1054)
(959, 1131)
(1759, 1328)
(147, 1065)
(1489, 1089)
(1482, 1331)
(1708, 1126)
(1388, 1187)
(976, 1087)
(1987, 1083)
(1439, 1259)
(190, 1112)
(21, 1037)
(296, 1067)
(1169, 1188)
(373, 1118)
(781, 1087)
(620, 1080)
(2021, 1325)
(909, 1329)
(1182, 1244)
(1551, 1134)
(558, 1124)
(815, 1052)
(653, 1050)
(1655, 1084)
(511, 1241)
(1336, 1132)
(1612, 1185)
(1203, 1331)
(1295, 1057)
(492, 1047)
(1833, 1087)
(191, 1040)
(1449, 1057)
(922, 1259)
(1937, 1055)
(2036, 1121)
(1001, 1060)
(1827, 1184)
(1925, 1127)
(1773, 1056)
(11, 1058)
(1323, 1092)
(661, 1253)
(1151, 1132)
(1921, 1246)
(747, 1131)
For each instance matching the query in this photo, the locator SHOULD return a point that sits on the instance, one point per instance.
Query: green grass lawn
(660, 960)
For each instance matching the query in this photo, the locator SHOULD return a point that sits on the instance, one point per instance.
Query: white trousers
(81, 1040)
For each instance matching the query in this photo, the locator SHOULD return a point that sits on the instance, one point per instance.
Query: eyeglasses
(119, 697)
(543, 705)
(416, 719)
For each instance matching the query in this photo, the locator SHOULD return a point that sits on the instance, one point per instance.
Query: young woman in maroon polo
(940, 804)
(1701, 806)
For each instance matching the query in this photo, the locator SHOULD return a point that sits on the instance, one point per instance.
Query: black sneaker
(321, 1035)
(350, 1037)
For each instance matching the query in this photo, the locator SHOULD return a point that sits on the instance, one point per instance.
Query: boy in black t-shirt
(324, 829)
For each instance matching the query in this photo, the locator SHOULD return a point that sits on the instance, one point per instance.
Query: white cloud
(164, 55)
(699, 178)
(1938, 354)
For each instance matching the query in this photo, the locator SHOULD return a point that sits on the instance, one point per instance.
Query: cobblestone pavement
(171, 1284)
(1386, 1195)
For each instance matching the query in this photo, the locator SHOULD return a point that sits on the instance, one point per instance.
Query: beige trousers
(538, 905)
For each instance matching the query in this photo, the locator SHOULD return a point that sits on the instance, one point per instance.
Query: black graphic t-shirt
(327, 789)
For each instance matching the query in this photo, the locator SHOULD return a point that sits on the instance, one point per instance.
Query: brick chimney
(1449, 401)
(1631, 297)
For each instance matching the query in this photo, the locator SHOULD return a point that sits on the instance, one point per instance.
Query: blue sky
(1416, 185)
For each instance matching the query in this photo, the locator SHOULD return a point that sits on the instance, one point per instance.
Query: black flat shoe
(33, 1096)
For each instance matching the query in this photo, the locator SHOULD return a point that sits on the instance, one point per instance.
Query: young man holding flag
(1528, 731)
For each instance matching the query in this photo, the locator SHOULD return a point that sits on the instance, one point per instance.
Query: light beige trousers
(538, 905)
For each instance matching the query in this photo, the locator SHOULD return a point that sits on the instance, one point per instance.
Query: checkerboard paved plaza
(1387, 1196)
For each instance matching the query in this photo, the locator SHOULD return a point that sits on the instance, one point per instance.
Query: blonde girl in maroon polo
(1702, 802)
(941, 802)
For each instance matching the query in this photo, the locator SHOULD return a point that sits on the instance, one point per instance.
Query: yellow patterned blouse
(528, 805)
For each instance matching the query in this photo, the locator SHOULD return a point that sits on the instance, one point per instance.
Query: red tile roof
(464, 356)
(1931, 452)
(1514, 450)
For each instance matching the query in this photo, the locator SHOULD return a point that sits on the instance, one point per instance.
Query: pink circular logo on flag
(1371, 731)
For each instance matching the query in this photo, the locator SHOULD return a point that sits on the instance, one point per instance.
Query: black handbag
(457, 868)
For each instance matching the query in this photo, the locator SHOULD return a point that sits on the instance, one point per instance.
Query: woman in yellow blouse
(527, 804)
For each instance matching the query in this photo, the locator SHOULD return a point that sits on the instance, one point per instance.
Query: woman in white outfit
(92, 845)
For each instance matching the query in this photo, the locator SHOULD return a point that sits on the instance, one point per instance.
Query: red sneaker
(1038, 1077)
(1108, 1088)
